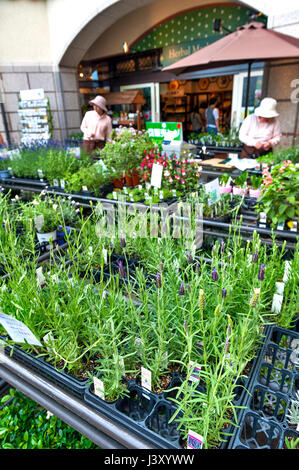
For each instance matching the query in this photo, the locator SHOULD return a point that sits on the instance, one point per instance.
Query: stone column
(60, 86)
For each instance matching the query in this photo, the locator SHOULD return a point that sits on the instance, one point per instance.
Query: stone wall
(60, 86)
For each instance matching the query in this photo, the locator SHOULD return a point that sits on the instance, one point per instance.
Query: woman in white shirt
(260, 131)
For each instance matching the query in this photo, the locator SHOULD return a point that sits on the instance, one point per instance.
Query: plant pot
(4, 174)
(255, 193)
(129, 180)
(46, 237)
(225, 189)
(135, 179)
(61, 234)
(237, 190)
(118, 183)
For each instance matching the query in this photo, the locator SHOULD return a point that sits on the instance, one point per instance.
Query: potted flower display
(256, 182)
(240, 186)
(225, 186)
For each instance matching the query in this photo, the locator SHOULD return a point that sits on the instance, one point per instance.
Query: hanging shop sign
(165, 131)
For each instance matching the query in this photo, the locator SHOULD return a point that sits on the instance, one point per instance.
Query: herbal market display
(152, 331)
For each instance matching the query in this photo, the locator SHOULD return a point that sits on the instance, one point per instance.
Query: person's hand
(266, 145)
(92, 135)
(258, 145)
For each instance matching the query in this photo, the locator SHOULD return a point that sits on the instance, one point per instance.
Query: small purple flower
(182, 289)
(222, 246)
(123, 243)
(214, 275)
(261, 275)
(197, 268)
(189, 257)
(185, 326)
(188, 288)
(161, 266)
(121, 269)
(255, 257)
(158, 281)
(224, 293)
(226, 347)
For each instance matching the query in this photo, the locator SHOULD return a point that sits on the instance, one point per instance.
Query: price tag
(146, 379)
(40, 277)
(156, 176)
(18, 331)
(194, 440)
(277, 303)
(114, 194)
(294, 226)
(99, 388)
(195, 371)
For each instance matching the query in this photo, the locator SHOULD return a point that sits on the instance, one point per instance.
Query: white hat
(267, 108)
(100, 102)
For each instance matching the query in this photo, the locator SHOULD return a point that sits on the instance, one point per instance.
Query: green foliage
(280, 155)
(92, 177)
(25, 425)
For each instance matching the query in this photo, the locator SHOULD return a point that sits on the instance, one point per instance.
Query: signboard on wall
(165, 131)
(34, 118)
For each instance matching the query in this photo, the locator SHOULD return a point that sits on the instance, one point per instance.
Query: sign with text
(18, 331)
(165, 131)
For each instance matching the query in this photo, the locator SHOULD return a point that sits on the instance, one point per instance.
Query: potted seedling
(225, 186)
(256, 182)
(240, 187)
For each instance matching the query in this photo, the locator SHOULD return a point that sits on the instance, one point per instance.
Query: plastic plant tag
(40, 277)
(294, 226)
(280, 226)
(18, 331)
(277, 303)
(263, 220)
(99, 388)
(156, 176)
(139, 186)
(84, 188)
(125, 190)
(62, 184)
(55, 182)
(146, 379)
(48, 340)
(40, 174)
(39, 222)
(173, 192)
(204, 149)
(10, 171)
(114, 194)
(194, 371)
(212, 188)
(105, 255)
(287, 270)
(194, 440)
(279, 287)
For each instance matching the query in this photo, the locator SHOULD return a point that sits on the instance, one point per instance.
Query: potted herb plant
(239, 187)
(225, 186)
(256, 182)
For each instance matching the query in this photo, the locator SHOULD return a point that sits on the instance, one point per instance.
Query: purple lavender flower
(224, 293)
(188, 288)
(158, 281)
(182, 289)
(222, 246)
(185, 326)
(189, 257)
(162, 266)
(123, 243)
(197, 268)
(255, 257)
(261, 275)
(214, 275)
(226, 347)
(121, 270)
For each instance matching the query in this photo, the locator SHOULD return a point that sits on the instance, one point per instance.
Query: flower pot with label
(237, 190)
(255, 193)
(225, 189)
(48, 238)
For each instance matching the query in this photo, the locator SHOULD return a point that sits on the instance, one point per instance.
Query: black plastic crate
(139, 412)
(60, 378)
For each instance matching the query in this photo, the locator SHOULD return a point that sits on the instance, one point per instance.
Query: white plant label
(174, 192)
(18, 331)
(99, 388)
(62, 184)
(40, 174)
(146, 379)
(277, 303)
(279, 287)
(39, 222)
(213, 189)
(105, 255)
(294, 226)
(161, 195)
(40, 277)
(84, 188)
(287, 270)
(114, 195)
(49, 341)
(195, 371)
(194, 440)
(55, 183)
(156, 176)
(280, 226)
(263, 220)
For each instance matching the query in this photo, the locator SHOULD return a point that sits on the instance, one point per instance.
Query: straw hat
(100, 102)
(267, 108)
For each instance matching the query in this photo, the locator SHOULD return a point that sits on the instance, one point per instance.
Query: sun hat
(100, 102)
(267, 108)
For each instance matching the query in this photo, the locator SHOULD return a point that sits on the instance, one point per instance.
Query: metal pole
(5, 124)
(248, 87)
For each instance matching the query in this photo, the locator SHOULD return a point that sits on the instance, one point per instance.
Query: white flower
(55, 206)
(35, 202)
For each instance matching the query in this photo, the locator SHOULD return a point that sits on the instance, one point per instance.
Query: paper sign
(279, 287)
(55, 183)
(146, 379)
(99, 388)
(212, 188)
(36, 94)
(40, 277)
(263, 220)
(294, 226)
(195, 371)
(287, 270)
(17, 330)
(277, 303)
(194, 441)
(156, 177)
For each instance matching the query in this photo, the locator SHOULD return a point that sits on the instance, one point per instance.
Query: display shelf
(94, 425)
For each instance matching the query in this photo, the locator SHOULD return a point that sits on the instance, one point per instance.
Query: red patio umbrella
(251, 42)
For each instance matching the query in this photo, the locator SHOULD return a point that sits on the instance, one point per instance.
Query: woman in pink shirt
(260, 131)
(96, 125)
